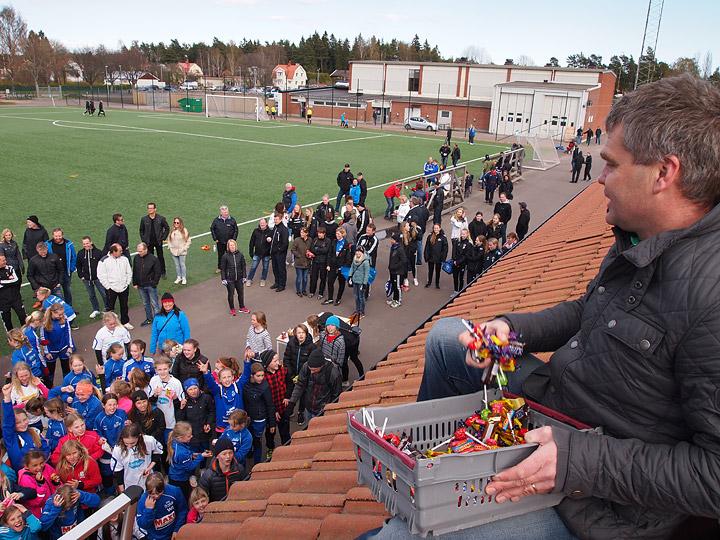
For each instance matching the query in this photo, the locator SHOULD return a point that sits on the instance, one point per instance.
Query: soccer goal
(545, 154)
(235, 106)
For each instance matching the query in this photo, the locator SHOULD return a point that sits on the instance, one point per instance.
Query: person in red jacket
(77, 469)
(77, 431)
(391, 192)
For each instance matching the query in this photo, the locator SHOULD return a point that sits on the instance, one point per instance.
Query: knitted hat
(83, 388)
(167, 296)
(333, 320)
(221, 445)
(139, 395)
(316, 358)
(192, 381)
(34, 219)
(523, 205)
(266, 357)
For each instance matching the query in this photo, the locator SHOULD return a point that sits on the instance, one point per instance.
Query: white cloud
(394, 17)
(238, 2)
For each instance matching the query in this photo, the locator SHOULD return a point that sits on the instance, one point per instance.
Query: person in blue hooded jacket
(227, 394)
(169, 323)
(183, 461)
(18, 523)
(162, 509)
(65, 511)
(18, 436)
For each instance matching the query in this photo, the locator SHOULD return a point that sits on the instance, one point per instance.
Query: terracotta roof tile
(276, 527)
(320, 482)
(339, 527)
(318, 497)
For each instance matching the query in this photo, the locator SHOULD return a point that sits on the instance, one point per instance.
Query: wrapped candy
(501, 353)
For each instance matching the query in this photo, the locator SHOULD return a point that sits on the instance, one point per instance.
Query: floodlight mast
(646, 68)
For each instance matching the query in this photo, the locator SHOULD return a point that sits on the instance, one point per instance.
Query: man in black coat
(588, 166)
(154, 229)
(10, 298)
(578, 162)
(278, 252)
(87, 261)
(455, 155)
(504, 209)
(344, 182)
(523, 222)
(146, 276)
(444, 153)
(223, 228)
(45, 270)
(363, 188)
(34, 234)
(419, 214)
(117, 234)
(397, 266)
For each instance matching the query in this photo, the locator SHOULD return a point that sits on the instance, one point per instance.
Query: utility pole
(646, 68)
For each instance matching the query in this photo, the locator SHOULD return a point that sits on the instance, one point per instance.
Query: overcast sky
(535, 28)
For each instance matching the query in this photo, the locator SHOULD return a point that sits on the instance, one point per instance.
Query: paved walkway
(220, 334)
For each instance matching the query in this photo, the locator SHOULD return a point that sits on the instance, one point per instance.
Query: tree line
(32, 57)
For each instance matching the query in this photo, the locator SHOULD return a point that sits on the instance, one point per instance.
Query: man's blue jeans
(149, 298)
(90, 286)
(542, 524)
(254, 265)
(446, 372)
(340, 199)
(390, 207)
(418, 256)
(65, 280)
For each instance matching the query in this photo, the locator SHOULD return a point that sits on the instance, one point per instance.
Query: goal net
(544, 154)
(235, 106)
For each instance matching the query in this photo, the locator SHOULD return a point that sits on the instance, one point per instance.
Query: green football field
(75, 172)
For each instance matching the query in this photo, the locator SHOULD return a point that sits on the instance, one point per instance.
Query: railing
(125, 502)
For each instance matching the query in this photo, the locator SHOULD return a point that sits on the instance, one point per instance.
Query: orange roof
(310, 486)
(288, 69)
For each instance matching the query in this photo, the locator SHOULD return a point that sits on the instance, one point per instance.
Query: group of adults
(108, 273)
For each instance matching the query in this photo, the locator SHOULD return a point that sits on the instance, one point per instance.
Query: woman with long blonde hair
(178, 244)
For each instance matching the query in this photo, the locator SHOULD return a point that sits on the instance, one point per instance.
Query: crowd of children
(174, 425)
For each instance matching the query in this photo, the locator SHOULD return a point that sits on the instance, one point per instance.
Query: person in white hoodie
(115, 274)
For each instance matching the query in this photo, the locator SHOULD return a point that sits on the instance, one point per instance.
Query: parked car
(189, 85)
(342, 84)
(418, 122)
(169, 88)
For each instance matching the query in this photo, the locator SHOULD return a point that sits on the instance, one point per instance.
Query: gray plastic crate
(446, 493)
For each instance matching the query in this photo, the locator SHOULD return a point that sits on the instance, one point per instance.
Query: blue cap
(334, 321)
(192, 381)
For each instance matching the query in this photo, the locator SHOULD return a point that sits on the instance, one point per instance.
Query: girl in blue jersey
(58, 335)
(182, 459)
(23, 352)
(227, 394)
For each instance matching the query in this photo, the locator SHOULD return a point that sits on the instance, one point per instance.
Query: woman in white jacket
(459, 222)
(178, 244)
(403, 209)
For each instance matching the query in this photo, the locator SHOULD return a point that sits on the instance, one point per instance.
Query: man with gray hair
(637, 354)
(223, 228)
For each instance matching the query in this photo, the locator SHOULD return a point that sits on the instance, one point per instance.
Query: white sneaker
(177, 280)
(184, 281)
(94, 314)
(129, 326)
(415, 282)
(406, 283)
(193, 481)
(248, 283)
(262, 282)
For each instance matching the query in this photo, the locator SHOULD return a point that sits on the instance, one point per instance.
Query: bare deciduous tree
(13, 32)
(38, 54)
(477, 54)
(524, 60)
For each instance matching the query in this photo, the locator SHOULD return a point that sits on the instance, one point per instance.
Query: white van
(189, 85)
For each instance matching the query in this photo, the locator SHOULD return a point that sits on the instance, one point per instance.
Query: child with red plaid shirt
(277, 377)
